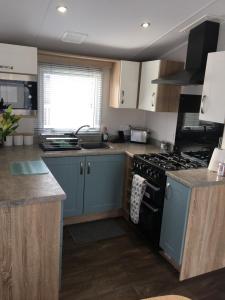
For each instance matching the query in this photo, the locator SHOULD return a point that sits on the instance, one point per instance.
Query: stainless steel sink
(60, 144)
(68, 143)
(95, 146)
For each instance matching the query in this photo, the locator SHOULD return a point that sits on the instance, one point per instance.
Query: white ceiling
(113, 26)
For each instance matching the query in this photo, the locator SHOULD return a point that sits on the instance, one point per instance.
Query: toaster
(138, 135)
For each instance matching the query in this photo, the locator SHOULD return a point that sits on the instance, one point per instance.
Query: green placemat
(29, 167)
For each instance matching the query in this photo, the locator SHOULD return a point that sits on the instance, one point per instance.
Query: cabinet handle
(153, 102)
(122, 95)
(168, 186)
(202, 105)
(88, 168)
(6, 67)
(81, 168)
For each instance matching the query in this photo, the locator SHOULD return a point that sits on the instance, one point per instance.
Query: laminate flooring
(127, 268)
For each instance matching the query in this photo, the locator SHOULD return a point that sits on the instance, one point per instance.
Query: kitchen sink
(66, 143)
(60, 144)
(95, 146)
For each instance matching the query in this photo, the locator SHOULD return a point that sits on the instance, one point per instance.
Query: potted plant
(8, 124)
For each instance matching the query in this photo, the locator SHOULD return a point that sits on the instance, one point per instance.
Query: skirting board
(93, 217)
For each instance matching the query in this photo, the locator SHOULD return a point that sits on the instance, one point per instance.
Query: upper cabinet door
(213, 103)
(148, 91)
(129, 84)
(124, 84)
(18, 59)
(155, 97)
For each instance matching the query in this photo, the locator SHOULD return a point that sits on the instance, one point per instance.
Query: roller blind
(69, 96)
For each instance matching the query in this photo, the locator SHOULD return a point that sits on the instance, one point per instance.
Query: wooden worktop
(204, 235)
(16, 190)
(123, 148)
(197, 177)
(19, 190)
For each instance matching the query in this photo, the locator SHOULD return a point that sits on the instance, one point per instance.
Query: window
(69, 96)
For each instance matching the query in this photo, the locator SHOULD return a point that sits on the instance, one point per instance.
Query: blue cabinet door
(69, 172)
(175, 214)
(103, 183)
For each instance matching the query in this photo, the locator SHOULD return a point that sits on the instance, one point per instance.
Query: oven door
(150, 220)
(150, 216)
(154, 194)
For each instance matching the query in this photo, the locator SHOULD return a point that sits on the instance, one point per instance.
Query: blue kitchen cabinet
(174, 221)
(103, 183)
(69, 172)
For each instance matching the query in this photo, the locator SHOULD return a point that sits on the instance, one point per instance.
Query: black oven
(150, 216)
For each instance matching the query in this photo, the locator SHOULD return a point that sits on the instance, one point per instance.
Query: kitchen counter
(127, 148)
(30, 188)
(24, 189)
(30, 229)
(196, 177)
(17, 190)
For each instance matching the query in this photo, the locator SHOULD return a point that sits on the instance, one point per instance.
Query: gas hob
(202, 156)
(170, 161)
(153, 167)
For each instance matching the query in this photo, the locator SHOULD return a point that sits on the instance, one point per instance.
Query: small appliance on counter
(165, 147)
(139, 135)
(120, 138)
(218, 156)
(105, 135)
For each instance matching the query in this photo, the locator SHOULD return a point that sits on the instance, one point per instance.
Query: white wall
(26, 125)
(162, 125)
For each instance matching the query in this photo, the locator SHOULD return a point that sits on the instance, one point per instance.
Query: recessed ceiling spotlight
(62, 9)
(145, 24)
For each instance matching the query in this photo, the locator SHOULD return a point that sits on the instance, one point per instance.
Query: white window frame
(87, 71)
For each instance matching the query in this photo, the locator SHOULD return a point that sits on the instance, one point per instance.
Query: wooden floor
(126, 268)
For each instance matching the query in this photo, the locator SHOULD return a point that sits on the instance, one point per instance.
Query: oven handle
(155, 210)
(156, 189)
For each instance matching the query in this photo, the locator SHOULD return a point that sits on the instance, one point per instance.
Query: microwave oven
(19, 91)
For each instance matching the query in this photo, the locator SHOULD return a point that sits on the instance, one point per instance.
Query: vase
(18, 140)
(8, 141)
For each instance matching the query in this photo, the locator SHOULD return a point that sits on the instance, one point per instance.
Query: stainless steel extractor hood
(201, 41)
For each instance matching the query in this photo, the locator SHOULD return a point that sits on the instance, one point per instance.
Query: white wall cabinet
(124, 84)
(18, 59)
(213, 94)
(154, 97)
